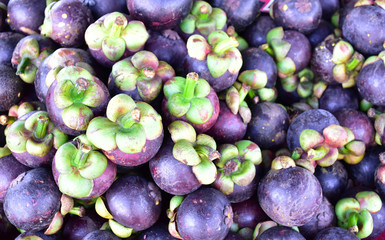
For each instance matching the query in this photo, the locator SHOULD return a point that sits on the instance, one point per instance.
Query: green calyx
(36, 135)
(76, 93)
(354, 214)
(188, 97)
(114, 34)
(198, 151)
(220, 51)
(4, 151)
(128, 125)
(204, 18)
(78, 166)
(282, 162)
(46, 28)
(236, 165)
(144, 72)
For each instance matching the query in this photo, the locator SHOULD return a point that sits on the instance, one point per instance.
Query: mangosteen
(281, 233)
(76, 228)
(102, 7)
(11, 87)
(255, 33)
(157, 232)
(8, 42)
(101, 235)
(323, 30)
(334, 98)
(335, 233)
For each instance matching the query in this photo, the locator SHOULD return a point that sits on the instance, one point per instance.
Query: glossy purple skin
(228, 128)
(55, 113)
(378, 223)
(47, 65)
(248, 213)
(240, 13)
(218, 84)
(364, 28)
(369, 80)
(325, 218)
(99, 185)
(8, 42)
(33, 161)
(40, 234)
(78, 20)
(336, 98)
(358, 122)
(134, 202)
(329, 7)
(101, 235)
(168, 47)
(268, 125)
(281, 233)
(233, 236)
(32, 200)
(171, 175)
(200, 128)
(156, 232)
(11, 88)
(300, 49)
(256, 58)
(299, 15)
(291, 196)
(335, 233)
(10, 168)
(201, 215)
(333, 180)
(134, 159)
(102, 7)
(26, 16)
(316, 119)
(324, 29)
(255, 34)
(75, 227)
(159, 14)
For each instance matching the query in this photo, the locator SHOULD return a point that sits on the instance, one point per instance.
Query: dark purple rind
(11, 87)
(370, 81)
(55, 114)
(325, 218)
(102, 7)
(323, 30)
(300, 49)
(201, 215)
(364, 28)
(200, 128)
(159, 14)
(229, 127)
(33, 161)
(248, 213)
(316, 119)
(291, 196)
(255, 34)
(335, 98)
(40, 234)
(99, 185)
(329, 7)
(134, 159)
(218, 84)
(101, 235)
(26, 16)
(156, 232)
(8, 42)
(32, 200)
(233, 236)
(10, 168)
(76, 228)
(132, 201)
(299, 15)
(7, 230)
(281, 233)
(335, 233)
(378, 224)
(268, 126)
(256, 58)
(321, 61)
(358, 122)
(171, 175)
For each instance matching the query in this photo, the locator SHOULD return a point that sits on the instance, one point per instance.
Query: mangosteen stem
(148, 72)
(81, 155)
(117, 27)
(78, 211)
(231, 166)
(131, 118)
(206, 152)
(81, 85)
(5, 120)
(317, 154)
(225, 45)
(267, 49)
(41, 127)
(352, 64)
(203, 14)
(243, 92)
(189, 88)
(23, 64)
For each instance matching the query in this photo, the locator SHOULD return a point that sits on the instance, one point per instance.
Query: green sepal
(256, 79)
(113, 48)
(200, 111)
(233, 99)
(188, 24)
(101, 209)
(55, 224)
(131, 140)
(267, 94)
(62, 94)
(119, 230)
(17, 137)
(202, 88)
(370, 201)
(31, 122)
(4, 151)
(216, 37)
(46, 28)
(59, 137)
(286, 66)
(206, 27)
(329, 158)
(119, 105)
(63, 158)
(94, 96)
(310, 138)
(280, 47)
(224, 183)
(101, 132)
(361, 224)
(236, 61)
(83, 186)
(184, 152)
(335, 136)
(125, 75)
(150, 120)
(197, 47)
(220, 17)
(245, 174)
(77, 116)
(135, 35)
(205, 171)
(40, 149)
(182, 130)
(228, 152)
(178, 105)
(173, 86)
(342, 52)
(144, 59)
(249, 151)
(282, 162)
(28, 74)
(340, 73)
(30, 48)
(95, 165)
(206, 140)
(275, 33)
(345, 207)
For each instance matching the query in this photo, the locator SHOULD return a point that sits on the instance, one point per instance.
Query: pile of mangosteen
(191, 119)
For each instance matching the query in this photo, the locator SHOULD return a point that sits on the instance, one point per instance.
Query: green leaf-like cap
(187, 97)
(182, 130)
(128, 125)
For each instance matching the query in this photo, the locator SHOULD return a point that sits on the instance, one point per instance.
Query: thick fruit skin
(159, 14)
(300, 50)
(156, 232)
(26, 16)
(32, 200)
(316, 119)
(76, 227)
(101, 235)
(280, 233)
(134, 202)
(172, 175)
(291, 196)
(335, 233)
(8, 42)
(248, 213)
(202, 215)
(11, 87)
(255, 34)
(370, 81)
(364, 28)
(336, 98)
